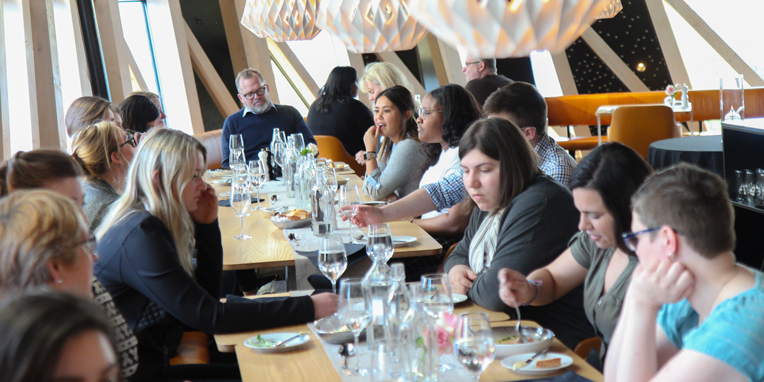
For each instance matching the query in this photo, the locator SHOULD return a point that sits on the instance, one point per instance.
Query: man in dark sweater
(259, 116)
(482, 79)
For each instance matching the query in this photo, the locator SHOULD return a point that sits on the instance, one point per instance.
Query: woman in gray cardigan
(523, 220)
(395, 166)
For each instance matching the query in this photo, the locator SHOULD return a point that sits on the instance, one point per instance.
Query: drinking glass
(350, 197)
(473, 343)
(331, 179)
(332, 259)
(299, 142)
(436, 294)
(236, 150)
(240, 197)
(379, 241)
(390, 361)
(750, 187)
(740, 184)
(353, 310)
(257, 178)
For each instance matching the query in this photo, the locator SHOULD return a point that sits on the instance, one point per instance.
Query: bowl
(290, 224)
(541, 340)
(326, 327)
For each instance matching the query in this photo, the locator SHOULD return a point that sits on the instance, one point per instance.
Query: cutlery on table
(282, 343)
(520, 365)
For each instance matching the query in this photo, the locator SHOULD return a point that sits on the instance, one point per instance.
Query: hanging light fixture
(611, 10)
(368, 26)
(502, 28)
(281, 20)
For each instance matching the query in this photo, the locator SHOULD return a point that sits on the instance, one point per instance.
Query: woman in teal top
(692, 313)
(596, 257)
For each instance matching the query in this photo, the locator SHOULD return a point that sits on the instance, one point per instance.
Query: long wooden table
(310, 362)
(269, 248)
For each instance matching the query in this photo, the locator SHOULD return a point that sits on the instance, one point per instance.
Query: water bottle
(322, 206)
(378, 282)
(304, 180)
(399, 303)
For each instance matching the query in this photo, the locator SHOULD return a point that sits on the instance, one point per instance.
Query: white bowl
(290, 224)
(325, 330)
(541, 340)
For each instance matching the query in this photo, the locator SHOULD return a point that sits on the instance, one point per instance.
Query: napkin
(567, 377)
(227, 202)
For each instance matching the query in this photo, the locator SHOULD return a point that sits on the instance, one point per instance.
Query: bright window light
(20, 116)
(545, 75)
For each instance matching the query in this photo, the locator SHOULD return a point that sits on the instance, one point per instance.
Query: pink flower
(670, 90)
(445, 341)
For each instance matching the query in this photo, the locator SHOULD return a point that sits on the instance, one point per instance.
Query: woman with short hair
(139, 114)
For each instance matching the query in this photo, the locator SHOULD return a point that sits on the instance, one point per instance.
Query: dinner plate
(221, 181)
(458, 298)
(531, 369)
(290, 224)
(220, 172)
(255, 344)
(402, 241)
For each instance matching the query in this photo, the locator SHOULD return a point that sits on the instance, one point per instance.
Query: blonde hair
(171, 155)
(83, 112)
(385, 75)
(36, 227)
(92, 148)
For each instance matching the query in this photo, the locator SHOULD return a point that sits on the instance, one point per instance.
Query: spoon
(282, 343)
(522, 364)
(517, 327)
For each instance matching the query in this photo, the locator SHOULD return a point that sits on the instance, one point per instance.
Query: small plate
(290, 224)
(402, 241)
(276, 337)
(531, 369)
(458, 298)
(342, 180)
(226, 194)
(221, 181)
(220, 172)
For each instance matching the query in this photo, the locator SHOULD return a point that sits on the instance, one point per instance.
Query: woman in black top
(146, 244)
(336, 112)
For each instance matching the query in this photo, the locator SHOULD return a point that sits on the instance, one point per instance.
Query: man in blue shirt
(259, 116)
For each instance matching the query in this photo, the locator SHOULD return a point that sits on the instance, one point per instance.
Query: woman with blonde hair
(146, 244)
(85, 111)
(104, 151)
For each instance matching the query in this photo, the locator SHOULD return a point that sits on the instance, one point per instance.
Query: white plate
(458, 298)
(402, 241)
(374, 203)
(220, 172)
(225, 194)
(221, 181)
(342, 180)
(276, 337)
(531, 369)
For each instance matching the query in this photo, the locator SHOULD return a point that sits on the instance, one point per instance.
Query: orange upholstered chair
(639, 126)
(331, 148)
(212, 141)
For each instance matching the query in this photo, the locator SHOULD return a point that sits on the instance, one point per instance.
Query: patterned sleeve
(448, 192)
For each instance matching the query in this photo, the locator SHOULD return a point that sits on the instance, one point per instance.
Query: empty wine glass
(332, 259)
(436, 294)
(299, 142)
(236, 150)
(350, 197)
(379, 239)
(353, 310)
(331, 179)
(473, 343)
(240, 197)
(257, 178)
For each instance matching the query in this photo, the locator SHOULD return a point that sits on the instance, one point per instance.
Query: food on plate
(262, 342)
(519, 365)
(548, 363)
(511, 340)
(294, 215)
(337, 165)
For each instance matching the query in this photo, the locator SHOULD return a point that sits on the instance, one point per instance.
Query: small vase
(669, 101)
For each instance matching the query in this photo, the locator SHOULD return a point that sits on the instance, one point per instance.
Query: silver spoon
(517, 327)
(282, 343)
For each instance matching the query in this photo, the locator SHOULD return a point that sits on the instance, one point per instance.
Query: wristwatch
(370, 155)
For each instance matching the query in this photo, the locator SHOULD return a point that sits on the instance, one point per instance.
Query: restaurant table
(702, 151)
(606, 110)
(310, 361)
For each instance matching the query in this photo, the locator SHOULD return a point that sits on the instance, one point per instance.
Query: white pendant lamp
(611, 10)
(281, 20)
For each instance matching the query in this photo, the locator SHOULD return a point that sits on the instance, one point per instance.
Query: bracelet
(411, 220)
(535, 283)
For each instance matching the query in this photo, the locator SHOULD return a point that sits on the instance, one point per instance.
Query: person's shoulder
(237, 115)
(286, 109)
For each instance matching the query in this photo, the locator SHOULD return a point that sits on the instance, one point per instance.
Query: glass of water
(299, 142)
(240, 197)
(353, 310)
(350, 197)
(331, 179)
(390, 361)
(473, 343)
(436, 294)
(379, 241)
(332, 259)
(257, 178)
(236, 150)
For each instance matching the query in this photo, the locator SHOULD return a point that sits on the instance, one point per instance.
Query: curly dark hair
(459, 109)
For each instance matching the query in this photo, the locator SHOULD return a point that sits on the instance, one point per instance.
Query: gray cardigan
(535, 228)
(99, 195)
(400, 174)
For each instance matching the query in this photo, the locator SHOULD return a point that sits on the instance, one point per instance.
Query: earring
(672, 257)
(60, 281)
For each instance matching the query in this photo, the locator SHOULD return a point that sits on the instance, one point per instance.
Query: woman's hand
(325, 304)
(366, 215)
(461, 278)
(371, 138)
(359, 157)
(514, 288)
(665, 283)
(207, 210)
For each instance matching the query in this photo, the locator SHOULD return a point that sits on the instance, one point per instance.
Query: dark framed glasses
(259, 92)
(130, 140)
(632, 238)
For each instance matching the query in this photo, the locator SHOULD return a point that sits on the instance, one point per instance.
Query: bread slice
(548, 363)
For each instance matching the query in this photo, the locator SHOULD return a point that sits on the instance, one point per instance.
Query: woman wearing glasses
(597, 257)
(104, 151)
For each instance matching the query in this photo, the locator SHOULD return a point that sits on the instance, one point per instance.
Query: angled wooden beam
(173, 62)
(307, 85)
(5, 124)
(611, 59)
(48, 129)
(356, 61)
(448, 64)
(564, 74)
(134, 69)
(209, 76)
(114, 53)
(716, 42)
(393, 58)
(667, 40)
(69, 39)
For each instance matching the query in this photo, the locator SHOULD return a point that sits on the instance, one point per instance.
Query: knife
(520, 365)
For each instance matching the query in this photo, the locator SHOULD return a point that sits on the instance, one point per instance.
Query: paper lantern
(501, 28)
(611, 10)
(281, 20)
(368, 26)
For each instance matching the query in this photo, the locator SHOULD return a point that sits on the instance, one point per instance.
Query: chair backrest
(212, 141)
(331, 148)
(640, 125)
(585, 346)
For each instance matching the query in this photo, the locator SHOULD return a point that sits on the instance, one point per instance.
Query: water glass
(436, 294)
(379, 242)
(473, 343)
(332, 259)
(740, 186)
(353, 310)
(240, 198)
(331, 179)
(390, 361)
(257, 178)
(350, 197)
(299, 142)
(236, 150)
(750, 187)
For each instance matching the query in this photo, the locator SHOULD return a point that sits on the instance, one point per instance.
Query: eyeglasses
(259, 92)
(90, 245)
(466, 64)
(424, 113)
(632, 238)
(130, 140)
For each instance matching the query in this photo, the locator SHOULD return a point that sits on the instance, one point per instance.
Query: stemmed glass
(331, 179)
(473, 343)
(257, 178)
(332, 259)
(379, 240)
(236, 150)
(350, 198)
(436, 294)
(240, 196)
(299, 142)
(353, 309)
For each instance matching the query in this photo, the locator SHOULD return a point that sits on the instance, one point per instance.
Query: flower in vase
(670, 90)
(311, 149)
(446, 327)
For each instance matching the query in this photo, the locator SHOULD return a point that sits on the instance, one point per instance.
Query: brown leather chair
(192, 350)
(639, 126)
(212, 141)
(331, 148)
(584, 347)
(580, 143)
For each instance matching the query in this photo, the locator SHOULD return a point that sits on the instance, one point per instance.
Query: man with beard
(259, 116)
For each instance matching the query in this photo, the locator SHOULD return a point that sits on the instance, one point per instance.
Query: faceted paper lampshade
(611, 10)
(281, 20)
(502, 28)
(368, 26)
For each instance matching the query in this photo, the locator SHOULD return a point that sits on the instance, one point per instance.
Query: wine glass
(353, 309)
(299, 142)
(240, 197)
(331, 179)
(349, 197)
(332, 259)
(436, 294)
(236, 150)
(379, 241)
(257, 178)
(473, 343)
